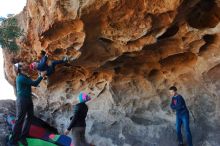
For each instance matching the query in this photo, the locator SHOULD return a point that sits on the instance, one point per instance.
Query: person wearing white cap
(24, 104)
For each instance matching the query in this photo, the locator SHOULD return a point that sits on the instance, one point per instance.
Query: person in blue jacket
(182, 115)
(43, 66)
(24, 104)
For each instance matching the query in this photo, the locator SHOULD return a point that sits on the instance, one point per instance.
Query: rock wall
(6, 107)
(128, 53)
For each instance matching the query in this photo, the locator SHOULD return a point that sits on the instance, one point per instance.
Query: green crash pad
(37, 142)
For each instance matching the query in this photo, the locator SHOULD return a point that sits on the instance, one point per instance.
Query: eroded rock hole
(169, 32)
(204, 15)
(58, 51)
(105, 40)
(209, 39)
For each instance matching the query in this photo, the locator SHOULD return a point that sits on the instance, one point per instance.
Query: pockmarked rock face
(127, 53)
(6, 107)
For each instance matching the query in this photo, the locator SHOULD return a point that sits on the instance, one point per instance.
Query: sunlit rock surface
(128, 53)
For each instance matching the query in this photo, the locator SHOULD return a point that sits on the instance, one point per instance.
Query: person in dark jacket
(24, 104)
(43, 66)
(182, 115)
(78, 124)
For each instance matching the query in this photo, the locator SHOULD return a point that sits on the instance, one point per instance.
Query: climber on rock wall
(24, 104)
(182, 115)
(78, 121)
(42, 65)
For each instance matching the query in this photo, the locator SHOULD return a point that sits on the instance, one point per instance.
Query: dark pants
(23, 108)
(183, 119)
(51, 68)
(78, 134)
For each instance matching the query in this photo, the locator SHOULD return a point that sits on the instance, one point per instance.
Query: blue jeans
(51, 68)
(183, 119)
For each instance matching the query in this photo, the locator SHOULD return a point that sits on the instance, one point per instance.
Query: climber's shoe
(66, 59)
(42, 53)
(180, 144)
(75, 57)
(72, 59)
(24, 141)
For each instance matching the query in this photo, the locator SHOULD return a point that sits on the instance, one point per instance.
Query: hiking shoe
(24, 141)
(12, 144)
